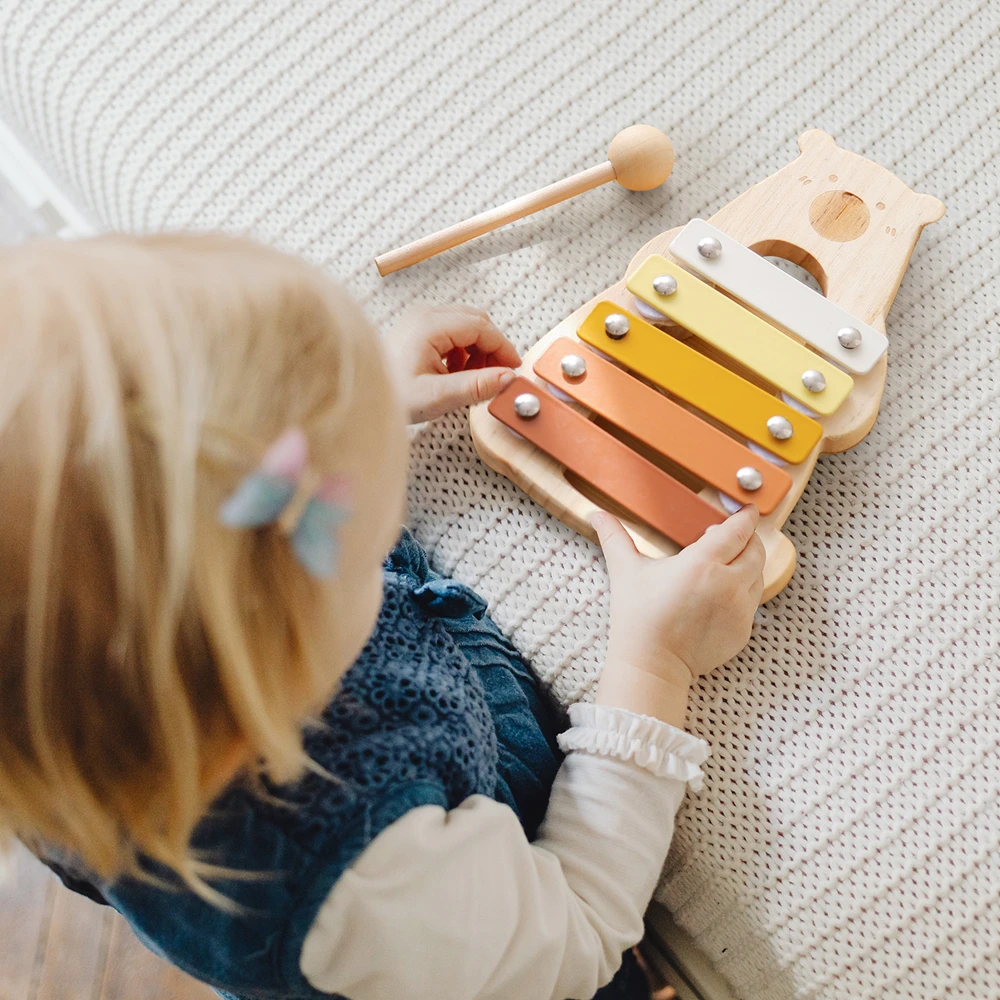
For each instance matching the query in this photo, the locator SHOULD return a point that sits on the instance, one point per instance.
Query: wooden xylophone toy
(708, 377)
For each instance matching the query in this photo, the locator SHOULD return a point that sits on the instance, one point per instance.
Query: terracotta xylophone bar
(602, 460)
(713, 456)
(708, 386)
(743, 336)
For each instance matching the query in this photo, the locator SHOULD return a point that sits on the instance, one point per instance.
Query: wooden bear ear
(814, 139)
(929, 208)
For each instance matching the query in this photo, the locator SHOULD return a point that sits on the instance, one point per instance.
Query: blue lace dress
(439, 706)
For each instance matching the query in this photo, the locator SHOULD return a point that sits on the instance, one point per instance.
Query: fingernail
(506, 379)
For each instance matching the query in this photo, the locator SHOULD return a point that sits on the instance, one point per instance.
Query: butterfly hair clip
(305, 506)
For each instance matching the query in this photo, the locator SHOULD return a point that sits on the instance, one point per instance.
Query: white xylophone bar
(779, 296)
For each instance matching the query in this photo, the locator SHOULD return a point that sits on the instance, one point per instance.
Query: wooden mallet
(639, 158)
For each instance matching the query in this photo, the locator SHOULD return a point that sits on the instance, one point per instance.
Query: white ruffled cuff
(658, 747)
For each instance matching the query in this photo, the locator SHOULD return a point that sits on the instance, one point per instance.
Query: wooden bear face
(846, 212)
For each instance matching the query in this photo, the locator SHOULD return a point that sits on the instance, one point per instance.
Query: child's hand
(447, 357)
(673, 619)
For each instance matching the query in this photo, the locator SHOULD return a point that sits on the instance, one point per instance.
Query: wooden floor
(56, 945)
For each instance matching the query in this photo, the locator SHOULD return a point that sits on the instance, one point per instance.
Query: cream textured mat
(848, 840)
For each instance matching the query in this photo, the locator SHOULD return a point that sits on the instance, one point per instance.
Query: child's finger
(505, 354)
(750, 561)
(440, 394)
(615, 541)
(726, 541)
(462, 326)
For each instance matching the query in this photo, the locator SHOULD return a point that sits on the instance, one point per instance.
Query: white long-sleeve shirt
(459, 905)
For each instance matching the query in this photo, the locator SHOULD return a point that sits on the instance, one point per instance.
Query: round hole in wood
(839, 216)
(797, 271)
(799, 262)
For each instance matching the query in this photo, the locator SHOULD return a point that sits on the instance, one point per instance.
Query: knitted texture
(846, 841)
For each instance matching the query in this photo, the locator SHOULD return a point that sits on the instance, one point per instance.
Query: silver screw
(615, 325)
(849, 337)
(664, 284)
(573, 366)
(780, 427)
(749, 478)
(813, 380)
(709, 247)
(527, 405)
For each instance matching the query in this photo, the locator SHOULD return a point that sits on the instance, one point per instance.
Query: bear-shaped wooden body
(851, 224)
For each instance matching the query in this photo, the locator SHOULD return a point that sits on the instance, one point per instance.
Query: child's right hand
(447, 357)
(675, 618)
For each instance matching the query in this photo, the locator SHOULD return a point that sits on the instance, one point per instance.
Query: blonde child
(237, 705)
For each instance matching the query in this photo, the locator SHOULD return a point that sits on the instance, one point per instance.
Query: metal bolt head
(749, 478)
(813, 380)
(780, 427)
(527, 405)
(849, 337)
(710, 247)
(615, 325)
(664, 284)
(573, 366)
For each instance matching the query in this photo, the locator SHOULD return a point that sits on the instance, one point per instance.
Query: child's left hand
(447, 357)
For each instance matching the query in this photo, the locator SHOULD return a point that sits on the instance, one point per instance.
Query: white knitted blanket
(847, 843)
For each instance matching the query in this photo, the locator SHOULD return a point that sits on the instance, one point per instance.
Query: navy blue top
(438, 706)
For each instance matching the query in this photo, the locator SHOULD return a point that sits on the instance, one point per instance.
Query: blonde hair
(139, 380)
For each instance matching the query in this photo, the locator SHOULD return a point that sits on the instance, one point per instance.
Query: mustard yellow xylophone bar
(701, 382)
(717, 319)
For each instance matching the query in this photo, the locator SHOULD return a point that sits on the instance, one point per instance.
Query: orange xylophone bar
(674, 432)
(603, 461)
